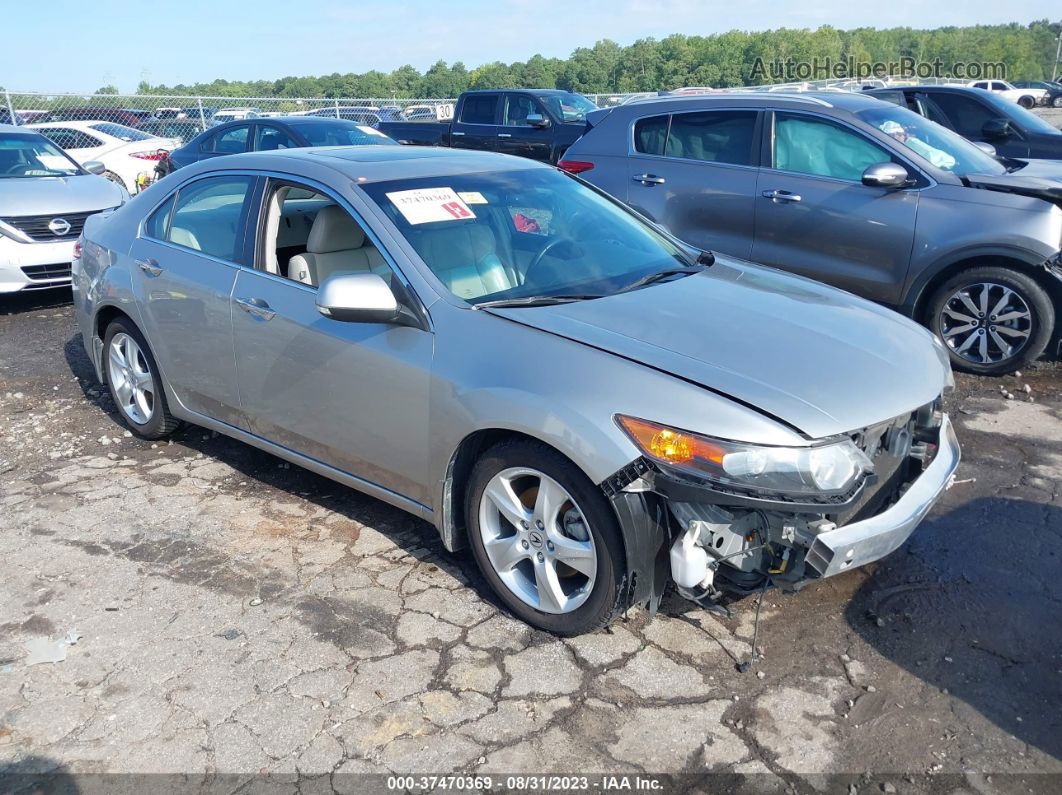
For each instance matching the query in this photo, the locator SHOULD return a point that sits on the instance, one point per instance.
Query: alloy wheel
(986, 323)
(537, 540)
(131, 379)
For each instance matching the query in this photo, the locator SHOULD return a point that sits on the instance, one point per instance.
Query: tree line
(719, 60)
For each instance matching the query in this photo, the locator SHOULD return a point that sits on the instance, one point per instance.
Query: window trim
(767, 151)
(755, 151)
(245, 215)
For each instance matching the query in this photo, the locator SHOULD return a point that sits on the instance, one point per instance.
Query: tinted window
(156, 224)
(207, 216)
(479, 109)
(966, 115)
(230, 141)
(810, 146)
(650, 135)
(716, 136)
(269, 138)
(517, 108)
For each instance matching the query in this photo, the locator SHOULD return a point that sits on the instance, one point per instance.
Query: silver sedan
(593, 407)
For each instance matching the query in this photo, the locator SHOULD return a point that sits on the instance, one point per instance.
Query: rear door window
(724, 136)
(229, 142)
(209, 216)
(479, 109)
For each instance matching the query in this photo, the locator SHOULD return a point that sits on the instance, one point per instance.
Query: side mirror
(995, 129)
(988, 149)
(885, 175)
(94, 166)
(537, 120)
(358, 298)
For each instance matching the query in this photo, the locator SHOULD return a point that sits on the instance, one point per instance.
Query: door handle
(648, 179)
(781, 196)
(256, 307)
(456, 133)
(149, 266)
(505, 135)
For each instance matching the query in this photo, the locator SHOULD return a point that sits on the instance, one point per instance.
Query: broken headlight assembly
(825, 469)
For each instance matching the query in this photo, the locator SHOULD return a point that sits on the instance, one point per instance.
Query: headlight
(817, 470)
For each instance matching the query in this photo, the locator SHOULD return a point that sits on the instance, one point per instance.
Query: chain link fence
(185, 114)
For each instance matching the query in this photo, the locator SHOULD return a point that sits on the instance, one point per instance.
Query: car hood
(57, 195)
(816, 358)
(1041, 179)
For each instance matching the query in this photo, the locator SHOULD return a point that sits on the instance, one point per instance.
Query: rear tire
(134, 381)
(526, 565)
(962, 310)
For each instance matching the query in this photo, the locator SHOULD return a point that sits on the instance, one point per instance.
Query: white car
(233, 114)
(125, 153)
(1026, 97)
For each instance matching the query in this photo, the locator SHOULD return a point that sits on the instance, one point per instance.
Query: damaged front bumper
(707, 540)
(862, 542)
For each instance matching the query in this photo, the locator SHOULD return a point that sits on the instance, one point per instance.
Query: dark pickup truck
(535, 123)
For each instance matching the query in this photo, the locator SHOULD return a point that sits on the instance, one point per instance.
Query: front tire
(993, 320)
(545, 538)
(1026, 102)
(134, 381)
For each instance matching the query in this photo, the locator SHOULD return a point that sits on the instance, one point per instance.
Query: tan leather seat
(464, 257)
(336, 243)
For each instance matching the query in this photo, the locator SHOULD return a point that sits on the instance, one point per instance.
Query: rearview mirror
(885, 175)
(997, 128)
(94, 166)
(988, 149)
(537, 120)
(357, 298)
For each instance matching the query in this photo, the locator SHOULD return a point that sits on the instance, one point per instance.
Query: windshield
(333, 134)
(33, 156)
(568, 106)
(946, 150)
(120, 131)
(517, 234)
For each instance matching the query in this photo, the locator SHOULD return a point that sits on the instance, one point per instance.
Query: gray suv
(855, 192)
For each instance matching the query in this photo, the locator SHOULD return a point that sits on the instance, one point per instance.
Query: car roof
(15, 128)
(539, 91)
(844, 100)
(377, 163)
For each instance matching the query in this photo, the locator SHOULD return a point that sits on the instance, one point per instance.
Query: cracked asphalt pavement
(234, 614)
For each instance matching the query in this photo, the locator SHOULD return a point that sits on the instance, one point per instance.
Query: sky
(79, 46)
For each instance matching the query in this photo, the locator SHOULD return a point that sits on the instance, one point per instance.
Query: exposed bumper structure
(871, 539)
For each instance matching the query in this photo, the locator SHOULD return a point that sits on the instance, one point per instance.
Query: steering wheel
(542, 254)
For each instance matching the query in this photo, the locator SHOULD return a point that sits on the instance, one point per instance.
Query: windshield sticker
(427, 205)
(55, 162)
(371, 131)
(472, 197)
